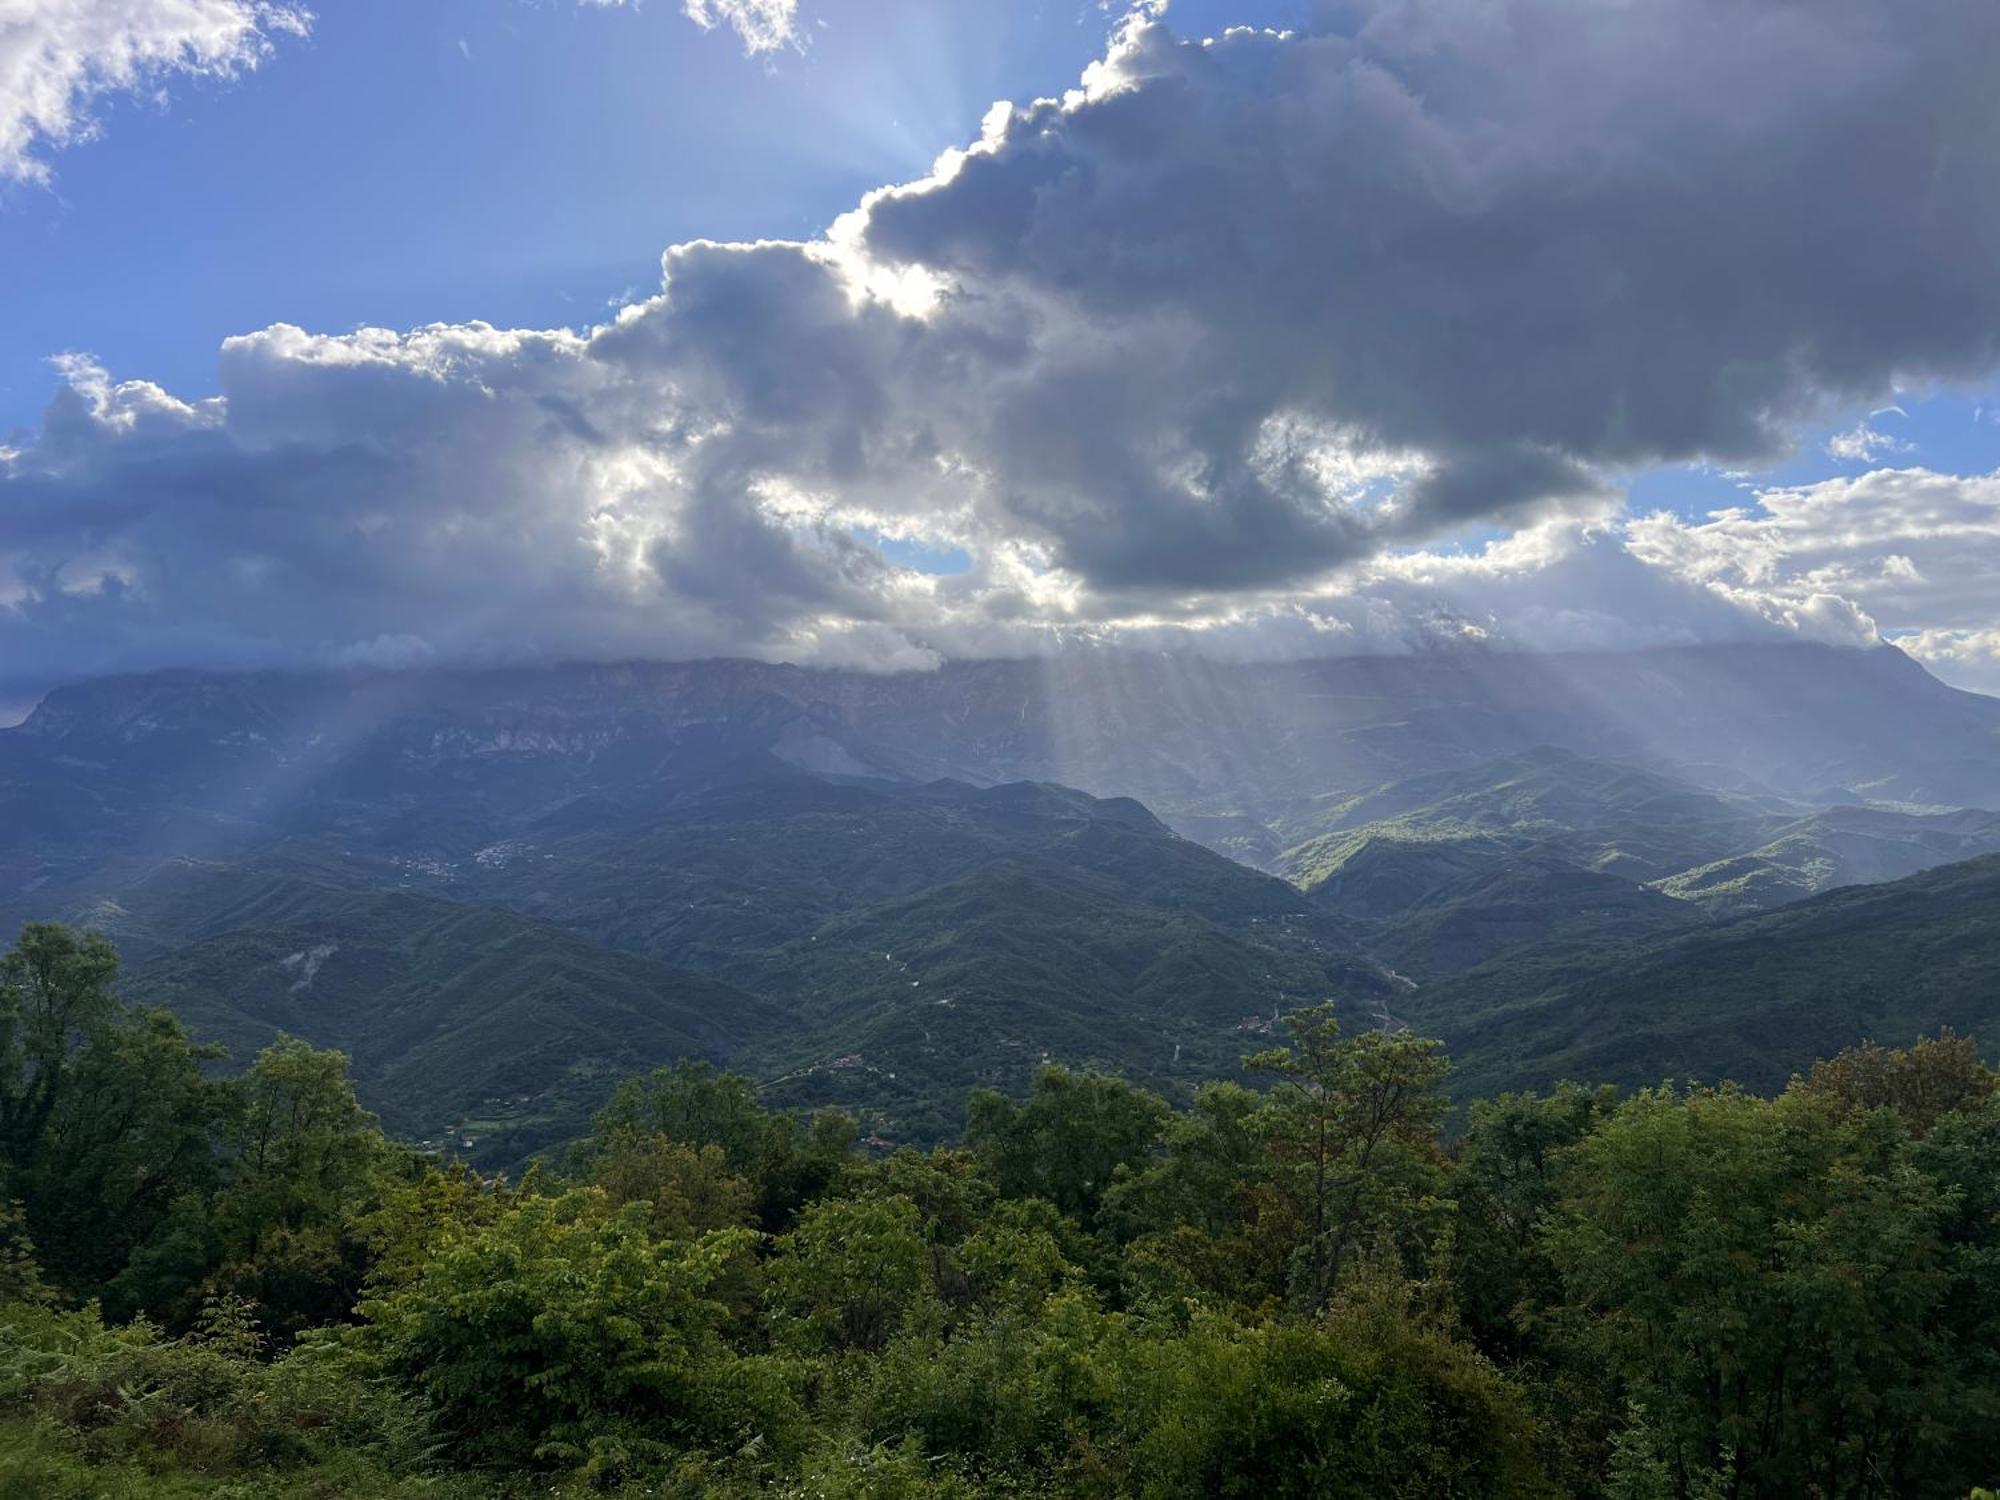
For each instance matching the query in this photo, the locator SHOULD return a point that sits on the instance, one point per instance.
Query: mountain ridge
(1752, 1000)
(1196, 741)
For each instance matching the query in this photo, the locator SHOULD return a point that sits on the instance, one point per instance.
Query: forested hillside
(1298, 1287)
(876, 945)
(1752, 1000)
(437, 764)
(472, 1027)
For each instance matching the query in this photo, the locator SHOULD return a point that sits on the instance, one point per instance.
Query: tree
(1506, 1179)
(787, 1160)
(1352, 1128)
(688, 1190)
(107, 1121)
(304, 1163)
(1940, 1075)
(694, 1102)
(1212, 1160)
(953, 1194)
(1211, 1217)
(418, 1217)
(1068, 1142)
(850, 1274)
(1772, 1282)
(55, 995)
(20, 1275)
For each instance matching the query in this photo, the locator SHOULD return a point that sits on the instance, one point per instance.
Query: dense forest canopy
(1313, 1287)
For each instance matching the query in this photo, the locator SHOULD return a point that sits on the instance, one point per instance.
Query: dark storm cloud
(1532, 240)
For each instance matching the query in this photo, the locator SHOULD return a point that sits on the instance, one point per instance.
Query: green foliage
(1069, 1141)
(689, 1190)
(786, 1160)
(1505, 1182)
(1099, 1402)
(55, 991)
(417, 1218)
(106, 1120)
(851, 1275)
(1305, 1290)
(140, 1413)
(1352, 1127)
(1771, 1280)
(305, 1164)
(880, 948)
(20, 1276)
(483, 1030)
(1941, 1075)
(694, 1103)
(561, 1334)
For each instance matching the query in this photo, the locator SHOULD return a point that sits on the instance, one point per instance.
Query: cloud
(1519, 240)
(761, 25)
(1862, 444)
(59, 57)
(1966, 658)
(1337, 339)
(764, 25)
(1908, 552)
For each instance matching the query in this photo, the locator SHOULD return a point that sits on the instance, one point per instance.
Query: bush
(562, 1335)
(208, 1403)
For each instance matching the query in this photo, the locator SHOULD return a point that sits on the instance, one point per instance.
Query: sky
(412, 331)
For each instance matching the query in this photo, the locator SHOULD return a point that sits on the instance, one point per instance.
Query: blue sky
(1955, 429)
(1405, 323)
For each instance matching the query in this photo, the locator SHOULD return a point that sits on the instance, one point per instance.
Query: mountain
(1446, 870)
(1614, 818)
(732, 872)
(921, 939)
(881, 946)
(1233, 754)
(1834, 847)
(875, 890)
(1524, 901)
(1752, 1000)
(468, 1026)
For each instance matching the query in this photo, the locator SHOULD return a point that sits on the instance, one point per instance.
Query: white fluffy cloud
(1912, 554)
(1862, 444)
(1965, 658)
(764, 25)
(1229, 341)
(57, 57)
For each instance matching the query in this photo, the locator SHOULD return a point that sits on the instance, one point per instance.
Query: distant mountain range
(501, 889)
(1224, 753)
